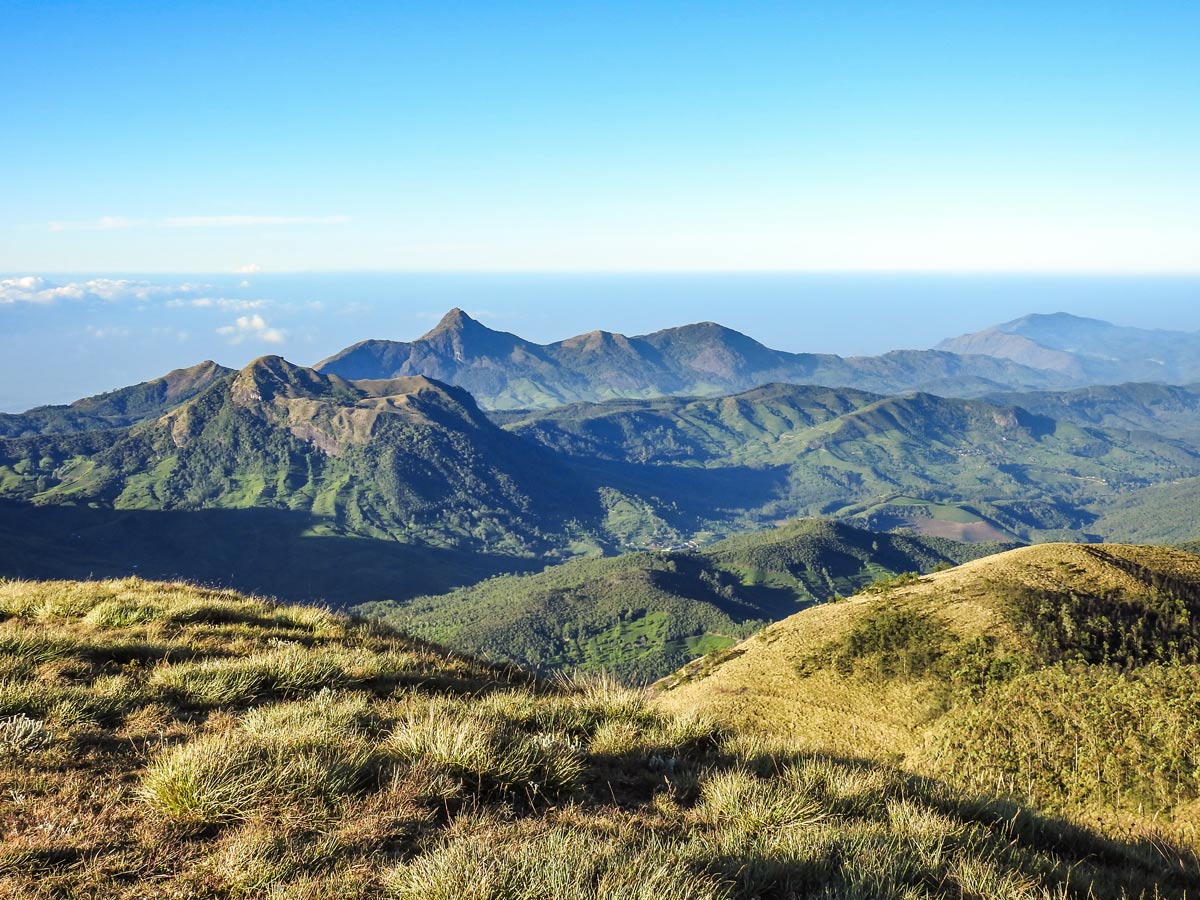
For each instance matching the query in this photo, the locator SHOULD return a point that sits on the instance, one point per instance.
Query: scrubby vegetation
(643, 615)
(1065, 677)
(160, 740)
(1120, 745)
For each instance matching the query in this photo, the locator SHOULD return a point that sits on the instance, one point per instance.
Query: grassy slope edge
(1063, 675)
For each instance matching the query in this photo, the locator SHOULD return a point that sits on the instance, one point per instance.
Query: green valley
(642, 615)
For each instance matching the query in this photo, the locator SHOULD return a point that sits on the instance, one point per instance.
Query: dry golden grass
(763, 686)
(171, 742)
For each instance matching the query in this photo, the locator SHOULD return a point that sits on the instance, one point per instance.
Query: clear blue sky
(206, 137)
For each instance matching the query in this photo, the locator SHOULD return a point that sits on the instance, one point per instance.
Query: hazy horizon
(120, 331)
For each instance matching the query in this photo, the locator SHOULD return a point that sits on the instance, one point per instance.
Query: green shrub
(885, 642)
(1109, 628)
(1083, 736)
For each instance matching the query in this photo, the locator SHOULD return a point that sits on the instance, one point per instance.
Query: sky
(549, 136)
(840, 177)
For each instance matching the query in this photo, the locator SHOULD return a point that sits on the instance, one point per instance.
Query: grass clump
(232, 776)
(20, 734)
(476, 863)
(489, 757)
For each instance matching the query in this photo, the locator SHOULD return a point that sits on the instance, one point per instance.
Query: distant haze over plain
(71, 335)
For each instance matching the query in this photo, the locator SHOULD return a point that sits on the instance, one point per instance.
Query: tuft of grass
(20, 734)
(489, 756)
(232, 776)
(285, 670)
(549, 864)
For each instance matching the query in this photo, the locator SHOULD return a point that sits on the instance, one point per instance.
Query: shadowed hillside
(278, 552)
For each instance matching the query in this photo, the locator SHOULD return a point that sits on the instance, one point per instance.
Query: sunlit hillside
(161, 740)
(1062, 675)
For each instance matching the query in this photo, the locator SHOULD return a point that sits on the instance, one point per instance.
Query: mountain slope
(407, 459)
(1168, 410)
(1158, 514)
(1089, 351)
(164, 741)
(1007, 670)
(504, 371)
(958, 468)
(118, 408)
(642, 615)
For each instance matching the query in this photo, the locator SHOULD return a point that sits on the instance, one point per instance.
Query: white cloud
(37, 290)
(248, 269)
(253, 327)
(249, 221)
(104, 223)
(228, 304)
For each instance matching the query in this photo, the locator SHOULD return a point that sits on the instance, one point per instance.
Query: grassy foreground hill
(1064, 675)
(161, 740)
(642, 615)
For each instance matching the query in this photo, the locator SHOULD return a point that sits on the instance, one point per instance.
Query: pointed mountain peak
(456, 320)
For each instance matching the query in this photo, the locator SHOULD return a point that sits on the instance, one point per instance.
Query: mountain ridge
(118, 408)
(1090, 351)
(504, 371)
